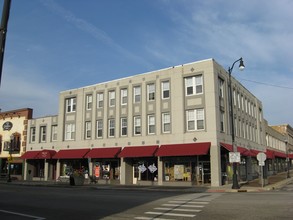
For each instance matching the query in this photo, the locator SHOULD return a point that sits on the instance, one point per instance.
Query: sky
(57, 45)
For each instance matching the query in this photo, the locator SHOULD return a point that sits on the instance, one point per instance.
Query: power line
(267, 84)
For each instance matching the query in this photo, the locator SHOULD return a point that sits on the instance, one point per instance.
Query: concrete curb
(271, 187)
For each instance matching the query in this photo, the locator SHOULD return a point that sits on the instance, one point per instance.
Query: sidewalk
(274, 182)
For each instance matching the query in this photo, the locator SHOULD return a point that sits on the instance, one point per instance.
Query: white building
(166, 127)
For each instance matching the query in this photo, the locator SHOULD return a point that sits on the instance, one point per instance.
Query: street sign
(261, 157)
(234, 157)
(261, 164)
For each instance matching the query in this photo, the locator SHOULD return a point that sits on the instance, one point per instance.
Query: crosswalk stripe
(190, 206)
(191, 202)
(177, 209)
(170, 214)
(148, 218)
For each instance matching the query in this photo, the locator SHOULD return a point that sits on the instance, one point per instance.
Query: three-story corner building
(166, 127)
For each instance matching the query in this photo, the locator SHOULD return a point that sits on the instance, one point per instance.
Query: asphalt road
(32, 202)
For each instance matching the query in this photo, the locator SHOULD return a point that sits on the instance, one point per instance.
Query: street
(39, 202)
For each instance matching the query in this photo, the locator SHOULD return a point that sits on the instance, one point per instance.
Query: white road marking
(170, 214)
(148, 218)
(24, 215)
(190, 206)
(192, 202)
(177, 209)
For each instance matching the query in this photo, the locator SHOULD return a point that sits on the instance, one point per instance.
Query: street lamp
(287, 158)
(235, 184)
(9, 159)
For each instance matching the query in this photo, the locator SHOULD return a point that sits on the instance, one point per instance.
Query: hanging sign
(7, 126)
(234, 157)
(142, 168)
(152, 168)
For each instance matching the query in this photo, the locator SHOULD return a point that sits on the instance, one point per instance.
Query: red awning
(138, 151)
(270, 154)
(242, 150)
(291, 156)
(254, 153)
(30, 154)
(110, 152)
(45, 154)
(228, 147)
(189, 149)
(280, 154)
(71, 154)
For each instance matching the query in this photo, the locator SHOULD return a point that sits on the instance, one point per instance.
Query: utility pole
(3, 31)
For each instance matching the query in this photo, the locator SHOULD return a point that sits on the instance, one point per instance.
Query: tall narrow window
(111, 98)
(111, 126)
(43, 134)
(137, 94)
(151, 124)
(221, 88)
(70, 105)
(234, 98)
(88, 130)
(123, 126)
(222, 119)
(100, 100)
(238, 101)
(195, 119)
(32, 134)
(54, 133)
(165, 90)
(193, 85)
(69, 132)
(151, 92)
(166, 123)
(123, 96)
(137, 125)
(89, 102)
(99, 128)
(199, 119)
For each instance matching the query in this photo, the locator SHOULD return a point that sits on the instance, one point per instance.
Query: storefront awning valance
(189, 149)
(110, 152)
(45, 154)
(138, 151)
(30, 154)
(291, 156)
(71, 154)
(38, 154)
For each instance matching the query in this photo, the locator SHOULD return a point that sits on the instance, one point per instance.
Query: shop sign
(7, 126)
(234, 157)
(152, 168)
(142, 168)
(97, 171)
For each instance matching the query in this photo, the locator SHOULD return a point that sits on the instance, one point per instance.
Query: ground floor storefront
(170, 165)
(14, 165)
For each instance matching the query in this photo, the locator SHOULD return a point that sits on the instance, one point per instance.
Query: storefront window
(70, 166)
(108, 170)
(175, 171)
(194, 169)
(146, 170)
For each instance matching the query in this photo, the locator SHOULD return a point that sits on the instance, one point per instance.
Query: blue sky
(56, 45)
